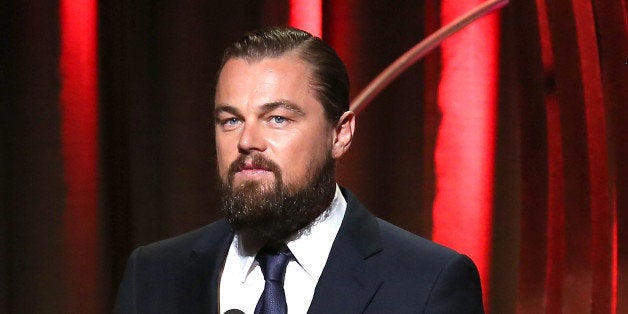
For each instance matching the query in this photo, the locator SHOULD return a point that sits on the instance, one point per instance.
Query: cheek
(305, 155)
(224, 157)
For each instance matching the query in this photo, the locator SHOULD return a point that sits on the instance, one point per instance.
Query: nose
(251, 139)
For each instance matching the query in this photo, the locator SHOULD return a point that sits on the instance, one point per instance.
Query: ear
(343, 134)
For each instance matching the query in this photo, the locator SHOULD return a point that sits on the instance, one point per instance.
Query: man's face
(275, 147)
(268, 109)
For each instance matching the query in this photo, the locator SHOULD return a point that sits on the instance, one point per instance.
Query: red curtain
(79, 133)
(507, 143)
(465, 145)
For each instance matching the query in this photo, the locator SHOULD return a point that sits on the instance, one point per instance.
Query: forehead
(241, 80)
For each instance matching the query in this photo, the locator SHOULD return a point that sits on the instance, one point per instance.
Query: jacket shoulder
(409, 244)
(177, 249)
(417, 274)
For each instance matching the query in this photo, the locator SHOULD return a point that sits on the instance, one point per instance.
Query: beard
(271, 213)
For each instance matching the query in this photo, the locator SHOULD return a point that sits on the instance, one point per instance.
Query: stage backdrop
(508, 143)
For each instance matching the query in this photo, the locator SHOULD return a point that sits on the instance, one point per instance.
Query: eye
(278, 119)
(230, 123)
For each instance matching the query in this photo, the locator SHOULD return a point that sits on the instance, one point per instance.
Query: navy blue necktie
(273, 265)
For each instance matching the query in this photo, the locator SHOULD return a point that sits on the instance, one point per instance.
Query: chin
(275, 210)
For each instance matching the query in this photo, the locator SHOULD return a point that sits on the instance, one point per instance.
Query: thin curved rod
(419, 51)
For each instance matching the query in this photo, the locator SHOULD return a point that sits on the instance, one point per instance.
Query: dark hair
(330, 79)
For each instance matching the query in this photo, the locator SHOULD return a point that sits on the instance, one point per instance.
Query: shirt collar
(311, 248)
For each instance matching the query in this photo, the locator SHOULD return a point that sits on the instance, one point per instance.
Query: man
(291, 238)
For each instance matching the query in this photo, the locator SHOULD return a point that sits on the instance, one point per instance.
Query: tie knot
(273, 263)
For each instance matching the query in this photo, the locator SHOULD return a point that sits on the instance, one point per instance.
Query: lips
(252, 171)
(252, 165)
(249, 166)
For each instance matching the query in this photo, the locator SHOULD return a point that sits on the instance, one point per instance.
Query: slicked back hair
(329, 75)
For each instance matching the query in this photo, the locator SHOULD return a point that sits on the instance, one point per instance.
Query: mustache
(255, 161)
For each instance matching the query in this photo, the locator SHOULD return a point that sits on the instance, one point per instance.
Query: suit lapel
(350, 278)
(197, 283)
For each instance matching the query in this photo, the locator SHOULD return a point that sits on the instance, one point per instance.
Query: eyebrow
(265, 108)
(285, 104)
(226, 108)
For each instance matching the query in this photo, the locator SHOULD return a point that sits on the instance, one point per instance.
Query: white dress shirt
(242, 282)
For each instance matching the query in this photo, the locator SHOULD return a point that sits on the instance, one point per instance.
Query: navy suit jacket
(373, 267)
